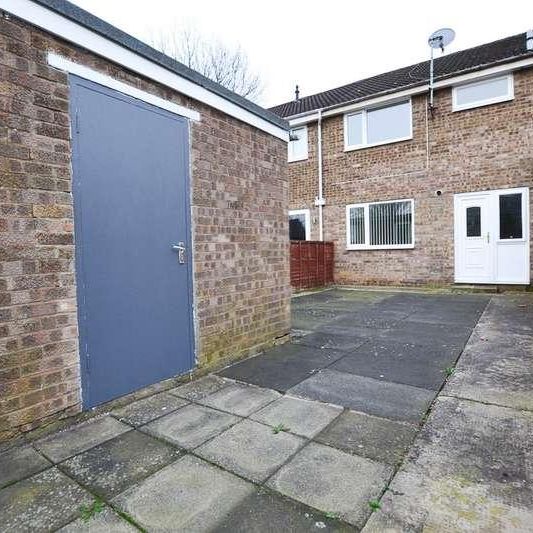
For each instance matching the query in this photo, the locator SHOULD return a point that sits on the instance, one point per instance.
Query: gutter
(500, 67)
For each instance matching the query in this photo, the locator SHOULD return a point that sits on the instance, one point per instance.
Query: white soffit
(73, 32)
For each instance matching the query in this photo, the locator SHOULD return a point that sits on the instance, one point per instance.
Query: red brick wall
(240, 231)
(485, 148)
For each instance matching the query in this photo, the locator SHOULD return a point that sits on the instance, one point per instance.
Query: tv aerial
(438, 39)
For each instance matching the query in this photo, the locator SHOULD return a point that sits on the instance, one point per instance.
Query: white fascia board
(87, 73)
(73, 32)
(312, 116)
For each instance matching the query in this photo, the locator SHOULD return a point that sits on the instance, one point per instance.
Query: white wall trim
(312, 116)
(87, 73)
(73, 32)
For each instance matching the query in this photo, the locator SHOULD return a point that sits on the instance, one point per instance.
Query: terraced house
(414, 194)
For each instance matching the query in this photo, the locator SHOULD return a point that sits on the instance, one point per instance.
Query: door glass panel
(297, 227)
(511, 216)
(473, 221)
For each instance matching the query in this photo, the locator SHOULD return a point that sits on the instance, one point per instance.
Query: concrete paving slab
(148, 409)
(469, 470)
(282, 367)
(345, 343)
(43, 502)
(116, 464)
(373, 437)
(372, 318)
(77, 439)
(332, 481)
(309, 318)
(428, 334)
(300, 416)
(387, 400)
(478, 443)
(447, 504)
(356, 331)
(106, 521)
(267, 511)
(191, 426)
(277, 374)
(189, 495)
(18, 463)
(199, 388)
(495, 369)
(410, 364)
(240, 399)
(251, 450)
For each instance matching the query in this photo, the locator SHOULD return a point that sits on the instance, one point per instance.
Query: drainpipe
(319, 200)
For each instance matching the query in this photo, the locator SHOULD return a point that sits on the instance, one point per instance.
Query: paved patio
(314, 434)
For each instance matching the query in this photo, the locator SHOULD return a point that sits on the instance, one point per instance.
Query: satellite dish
(441, 38)
(438, 39)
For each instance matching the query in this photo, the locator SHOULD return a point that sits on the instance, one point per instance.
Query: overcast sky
(321, 45)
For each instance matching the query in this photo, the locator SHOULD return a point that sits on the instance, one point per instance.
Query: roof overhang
(79, 27)
(394, 95)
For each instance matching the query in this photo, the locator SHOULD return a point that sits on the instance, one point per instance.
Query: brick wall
(485, 148)
(240, 231)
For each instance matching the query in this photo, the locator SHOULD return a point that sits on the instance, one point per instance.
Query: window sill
(299, 159)
(372, 145)
(383, 247)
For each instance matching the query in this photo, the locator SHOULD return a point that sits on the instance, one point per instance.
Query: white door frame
(497, 245)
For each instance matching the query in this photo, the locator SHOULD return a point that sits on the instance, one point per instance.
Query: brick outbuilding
(143, 222)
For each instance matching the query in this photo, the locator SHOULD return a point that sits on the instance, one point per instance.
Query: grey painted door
(131, 204)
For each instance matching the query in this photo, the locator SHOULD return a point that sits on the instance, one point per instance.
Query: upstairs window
(297, 145)
(380, 225)
(483, 92)
(380, 125)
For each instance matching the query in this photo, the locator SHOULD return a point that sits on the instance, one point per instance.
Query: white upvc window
(299, 225)
(378, 125)
(483, 92)
(297, 145)
(380, 225)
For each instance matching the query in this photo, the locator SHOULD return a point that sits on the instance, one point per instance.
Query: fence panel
(311, 264)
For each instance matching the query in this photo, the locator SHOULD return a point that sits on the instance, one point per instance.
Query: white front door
(492, 237)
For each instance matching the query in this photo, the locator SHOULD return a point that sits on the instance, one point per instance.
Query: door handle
(488, 237)
(180, 248)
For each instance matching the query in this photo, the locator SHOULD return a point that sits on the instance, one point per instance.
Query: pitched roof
(90, 21)
(483, 56)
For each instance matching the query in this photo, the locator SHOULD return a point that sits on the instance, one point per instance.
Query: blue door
(132, 232)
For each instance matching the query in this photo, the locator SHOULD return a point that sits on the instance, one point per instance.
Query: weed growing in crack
(374, 505)
(88, 512)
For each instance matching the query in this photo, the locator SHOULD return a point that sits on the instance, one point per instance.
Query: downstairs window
(380, 225)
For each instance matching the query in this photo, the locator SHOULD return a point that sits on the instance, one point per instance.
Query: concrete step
(489, 289)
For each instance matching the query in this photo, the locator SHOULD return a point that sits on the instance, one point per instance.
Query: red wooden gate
(311, 264)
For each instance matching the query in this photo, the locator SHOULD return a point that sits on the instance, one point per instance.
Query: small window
(299, 225)
(354, 129)
(511, 216)
(297, 145)
(484, 92)
(383, 125)
(380, 225)
(473, 221)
